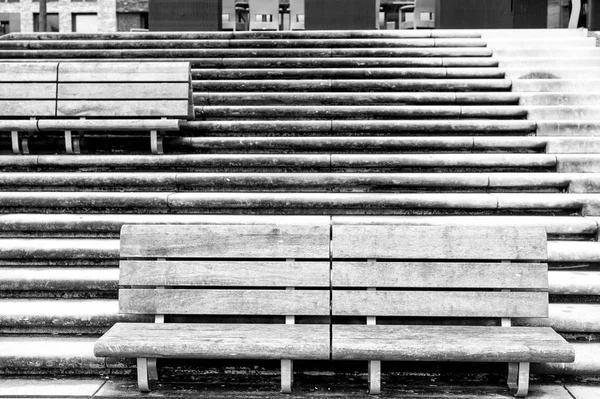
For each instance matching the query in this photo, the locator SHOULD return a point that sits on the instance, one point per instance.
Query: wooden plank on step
(224, 273)
(230, 302)
(27, 108)
(216, 341)
(125, 109)
(449, 343)
(124, 72)
(440, 303)
(28, 71)
(123, 91)
(438, 242)
(284, 241)
(440, 275)
(28, 91)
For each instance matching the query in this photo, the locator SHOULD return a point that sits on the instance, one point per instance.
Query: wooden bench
(412, 274)
(226, 271)
(115, 97)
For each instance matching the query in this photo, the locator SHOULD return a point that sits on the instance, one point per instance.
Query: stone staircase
(420, 127)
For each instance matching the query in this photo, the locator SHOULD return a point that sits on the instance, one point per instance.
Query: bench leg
(72, 143)
(20, 145)
(156, 142)
(287, 375)
(518, 379)
(152, 369)
(374, 377)
(142, 374)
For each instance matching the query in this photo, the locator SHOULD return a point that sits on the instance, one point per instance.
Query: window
(126, 21)
(263, 17)
(52, 22)
(86, 23)
(9, 1)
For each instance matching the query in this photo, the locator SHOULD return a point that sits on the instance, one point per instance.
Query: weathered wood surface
(285, 241)
(449, 343)
(27, 91)
(118, 125)
(28, 71)
(229, 302)
(440, 303)
(27, 108)
(124, 72)
(406, 242)
(122, 91)
(440, 275)
(216, 341)
(224, 273)
(123, 109)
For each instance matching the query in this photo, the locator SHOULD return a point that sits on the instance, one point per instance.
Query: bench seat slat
(440, 275)
(28, 72)
(28, 91)
(224, 273)
(438, 242)
(123, 91)
(27, 108)
(449, 343)
(25, 125)
(230, 302)
(123, 109)
(440, 303)
(119, 125)
(216, 341)
(124, 72)
(309, 241)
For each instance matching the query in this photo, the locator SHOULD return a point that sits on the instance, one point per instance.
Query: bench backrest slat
(225, 273)
(28, 89)
(229, 302)
(26, 108)
(131, 109)
(116, 72)
(438, 242)
(439, 271)
(28, 72)
(114, 91)
(285, 241)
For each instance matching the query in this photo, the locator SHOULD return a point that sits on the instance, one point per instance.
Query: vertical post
(374, 365)
(43, 16)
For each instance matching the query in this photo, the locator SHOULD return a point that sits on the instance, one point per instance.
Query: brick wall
(132, 6)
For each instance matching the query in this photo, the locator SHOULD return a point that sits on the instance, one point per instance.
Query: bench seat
(449, 343)
(216, 341)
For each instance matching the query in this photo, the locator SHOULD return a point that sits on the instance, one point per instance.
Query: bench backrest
(124, 89)
(237, 270)
(437, 271)
(28, 89)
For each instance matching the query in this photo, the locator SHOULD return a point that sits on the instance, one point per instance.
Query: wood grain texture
(28, 91)
(440, 303)
(442, 242)
(224, 273)
(28, 71)
(123, 109)
(25, 108)
(124, 72)
(122, 91)
(440, 275)
(283, 241)
(216, 341)
(225, 302)
(449, 343)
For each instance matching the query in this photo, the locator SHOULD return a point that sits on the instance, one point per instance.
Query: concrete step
(556, 85)
(348, 73)
(364, 98)
(277, 112)
(505, 53)
(547, 62)
(563, 112)
(354, 85)
(529, 33)
(557, 98)
(526, 41)
(32, 280)
(574, 72)
(581, 128)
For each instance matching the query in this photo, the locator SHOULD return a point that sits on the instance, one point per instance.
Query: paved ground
(305, 387)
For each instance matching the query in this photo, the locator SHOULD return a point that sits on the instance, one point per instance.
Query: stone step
(358, 98)
(537, 99)
(529, 33)
(563, 112)
(399, 127)
(278, 112)
(253, 53)
(556, 85)
(81, 280)
(505, 53)
(526, 41)
(348, 73)
(574, 72)
(354, 85)
(573, 128)
(547, 62)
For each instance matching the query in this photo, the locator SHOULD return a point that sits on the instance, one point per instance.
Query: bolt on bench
(220, 272)
(396, 276)
(115, 97)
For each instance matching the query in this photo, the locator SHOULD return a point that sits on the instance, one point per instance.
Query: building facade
(74, 15)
